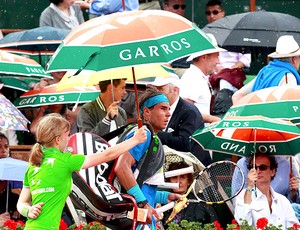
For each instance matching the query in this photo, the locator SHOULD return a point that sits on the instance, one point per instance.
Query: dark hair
(215, 3)
(2, 136)
(272, 159)
(56, 2)
(103, 84)
(180, 165)
(151, 91)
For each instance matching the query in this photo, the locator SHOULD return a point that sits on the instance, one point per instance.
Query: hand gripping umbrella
(128, 39)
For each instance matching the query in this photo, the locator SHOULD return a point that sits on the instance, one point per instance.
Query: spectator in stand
(197, 212)
(62, 14)
(195, 86)
(98, 8)
(14, 189)
(177, 7)
(259, 199)
(228, 76)
(282, 70)
(104, 114)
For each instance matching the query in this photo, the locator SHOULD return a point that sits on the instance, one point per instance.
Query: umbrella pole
(123, 5)
(255, 192)
(7, 196)
(139, 119)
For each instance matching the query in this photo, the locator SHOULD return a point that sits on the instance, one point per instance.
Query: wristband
(162, 197)
(137, 193)
(25, 211)
(249, 189)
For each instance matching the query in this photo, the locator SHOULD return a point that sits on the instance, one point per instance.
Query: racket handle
(165, 207)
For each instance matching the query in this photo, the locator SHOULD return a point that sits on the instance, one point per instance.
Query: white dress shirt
(282, 211)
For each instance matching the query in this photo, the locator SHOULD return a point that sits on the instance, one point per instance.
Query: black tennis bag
(91, 191)
(94, 189)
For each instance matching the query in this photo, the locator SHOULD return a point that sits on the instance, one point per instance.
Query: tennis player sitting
(259, 200)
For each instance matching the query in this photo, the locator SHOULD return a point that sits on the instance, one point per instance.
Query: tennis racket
(213, 185)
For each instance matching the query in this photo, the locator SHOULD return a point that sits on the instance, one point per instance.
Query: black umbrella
(253, 29)
(40, 40)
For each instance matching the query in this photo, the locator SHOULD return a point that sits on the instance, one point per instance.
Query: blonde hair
(49, 127)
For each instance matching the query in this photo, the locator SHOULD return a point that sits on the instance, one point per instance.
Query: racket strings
(215, 183)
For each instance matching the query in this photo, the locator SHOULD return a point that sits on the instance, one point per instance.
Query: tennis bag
(91, 191)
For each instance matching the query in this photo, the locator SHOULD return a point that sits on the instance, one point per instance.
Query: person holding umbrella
(255, 203)
(104, 114)
(8, 210)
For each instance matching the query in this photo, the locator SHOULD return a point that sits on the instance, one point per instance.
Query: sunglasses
(260, 167)
(177, 6)
(214, 12)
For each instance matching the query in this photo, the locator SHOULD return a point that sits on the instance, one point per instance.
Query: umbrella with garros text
(243, 135)
(10, 117)
(128, 39)
(12, 64)
(281, 102)
(49, 95)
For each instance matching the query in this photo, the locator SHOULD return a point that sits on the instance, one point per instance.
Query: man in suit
(185, 119)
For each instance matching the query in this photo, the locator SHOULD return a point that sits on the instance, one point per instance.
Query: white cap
(286, 46)
(208, 51)
(161, 81)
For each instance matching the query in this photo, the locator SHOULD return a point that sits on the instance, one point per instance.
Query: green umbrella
(49, 95)
(243, 135)
(275, 102)
(22, 84)
(127, 39)
(12, 64)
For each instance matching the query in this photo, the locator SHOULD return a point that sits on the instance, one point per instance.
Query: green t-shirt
(51, 183)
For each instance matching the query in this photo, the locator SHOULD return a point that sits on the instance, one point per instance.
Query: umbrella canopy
(253, 29)
(40, 40)
(128, 39)
(244, 135)
(49, 95)
(12, 169)
(12, 64)
(88, 78)
(275, 102)
(10, 117)
(18, 83)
